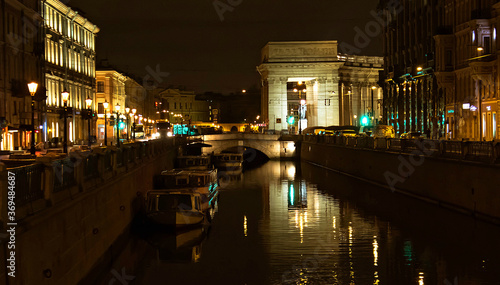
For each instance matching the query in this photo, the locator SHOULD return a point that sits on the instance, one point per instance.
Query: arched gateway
(311, 84)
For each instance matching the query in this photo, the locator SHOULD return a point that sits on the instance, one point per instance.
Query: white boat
(227, 161)
(179, 207)
(204, 182)
(199, 162)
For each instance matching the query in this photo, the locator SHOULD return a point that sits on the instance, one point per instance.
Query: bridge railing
(481, 151)
(53, 176)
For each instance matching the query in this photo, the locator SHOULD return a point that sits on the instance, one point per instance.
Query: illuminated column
(312, 103)
(277, 103)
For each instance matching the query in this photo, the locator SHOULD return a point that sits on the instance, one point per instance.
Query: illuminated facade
(70, 66)
(21, 57)
(182, 106)
(441, 73)
(313, 82)
(111, 89)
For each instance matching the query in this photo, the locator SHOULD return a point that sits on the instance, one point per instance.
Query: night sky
(199, 51)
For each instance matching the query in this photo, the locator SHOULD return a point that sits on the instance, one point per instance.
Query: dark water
(285, 223)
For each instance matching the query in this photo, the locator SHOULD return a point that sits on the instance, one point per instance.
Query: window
(175, 105)
(100, 108)
(100, 86)
(487, 44)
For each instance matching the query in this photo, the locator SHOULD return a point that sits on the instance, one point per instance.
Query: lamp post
(88, 102)
(373, 111)
(127, 111)
(32, 88)
(65, 96)
(105, 105)
(302, 104)
(300, 100)
(134, 110)
(117, 108)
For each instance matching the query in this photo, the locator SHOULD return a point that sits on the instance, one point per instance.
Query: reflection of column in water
(297, 194)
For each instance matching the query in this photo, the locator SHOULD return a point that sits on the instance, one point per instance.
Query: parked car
(412, 135)
(384, 131)
(346, 133)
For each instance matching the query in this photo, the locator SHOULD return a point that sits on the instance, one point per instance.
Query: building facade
(21, 57)
(317, 86)
(182, 106)
(440, 75)
(69, 66)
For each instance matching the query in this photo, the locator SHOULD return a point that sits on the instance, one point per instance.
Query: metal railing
(463, 150)
(64, 174)
(91, 164)
(29, 181)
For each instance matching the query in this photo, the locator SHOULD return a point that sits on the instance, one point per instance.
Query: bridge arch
(270, 145)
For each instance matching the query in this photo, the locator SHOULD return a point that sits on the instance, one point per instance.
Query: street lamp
(127, 111)
(105, 105)
(302, 104)
(134, 110)
(65, 96)
(32, 88)
(88, 102)
(373, 112)
(117, 108)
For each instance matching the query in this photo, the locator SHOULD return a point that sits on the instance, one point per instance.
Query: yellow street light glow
(480, 48)
(243, 91)
(32, 87)
(375, 87)
(105, 105)
(117, 107)
(419, 68)
(65, 96)
(127, 110)
(295, 90)
(88, 102)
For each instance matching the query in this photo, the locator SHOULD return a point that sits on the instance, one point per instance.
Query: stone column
(356, 103)
(312, 103)
(328, 104)
(277, 103)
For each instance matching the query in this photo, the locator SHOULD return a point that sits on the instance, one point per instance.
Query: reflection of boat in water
(227, 161)
(182, 246)
(180, 207)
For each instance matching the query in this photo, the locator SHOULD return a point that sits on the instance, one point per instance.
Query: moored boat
(204, 182)
(200, 162)
(179, 207)
(227, 161)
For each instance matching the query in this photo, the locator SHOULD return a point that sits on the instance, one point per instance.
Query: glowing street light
(32, 88)
(65, 97)
(88, 102)
(105, 105)
(117, 108)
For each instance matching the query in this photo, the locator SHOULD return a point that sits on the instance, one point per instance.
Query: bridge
(273, 146)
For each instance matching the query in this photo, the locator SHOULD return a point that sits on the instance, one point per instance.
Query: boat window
(182, 181)
(174, 202)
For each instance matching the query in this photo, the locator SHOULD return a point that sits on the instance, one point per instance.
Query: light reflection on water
(285, 223)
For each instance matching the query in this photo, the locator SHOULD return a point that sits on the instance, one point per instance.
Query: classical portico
(310, 80)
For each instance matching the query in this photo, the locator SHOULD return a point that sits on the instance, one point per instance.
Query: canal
(292, 223)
